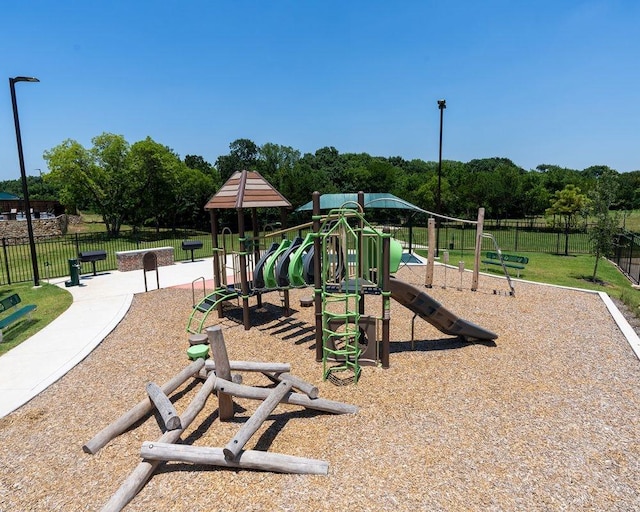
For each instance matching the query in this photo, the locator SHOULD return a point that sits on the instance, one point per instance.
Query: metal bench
(191, 245)
(508, 260)
(7, 304)
(92, 257)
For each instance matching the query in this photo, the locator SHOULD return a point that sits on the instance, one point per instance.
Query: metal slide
(435, 313)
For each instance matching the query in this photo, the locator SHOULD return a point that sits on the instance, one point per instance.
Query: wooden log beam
(223, 370)
(249, 459)
(139, 411)
(251, 366)
(143, 471)
(301, 385)
(166, 409)
(235, 446)
(253, 393)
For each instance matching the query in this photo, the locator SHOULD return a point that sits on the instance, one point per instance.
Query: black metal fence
(627, 255)
(54, 253)
(511, 236)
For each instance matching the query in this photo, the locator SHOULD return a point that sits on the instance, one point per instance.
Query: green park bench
(508, 260)
(10, 303)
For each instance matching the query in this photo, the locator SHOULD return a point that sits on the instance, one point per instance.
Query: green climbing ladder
(205, 306)
(341, 297)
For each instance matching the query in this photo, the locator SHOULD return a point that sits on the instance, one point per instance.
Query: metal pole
(442, 104)
(25, 188)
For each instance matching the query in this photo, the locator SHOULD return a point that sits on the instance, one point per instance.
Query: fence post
(6, 259)
(516, 240)
(77, 245)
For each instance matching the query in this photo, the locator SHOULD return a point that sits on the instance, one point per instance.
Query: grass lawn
(574, 271)
(51, 301)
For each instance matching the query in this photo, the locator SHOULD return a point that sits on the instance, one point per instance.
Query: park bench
(7, 304)
(508, 260)
(191, 245)
(92, 257)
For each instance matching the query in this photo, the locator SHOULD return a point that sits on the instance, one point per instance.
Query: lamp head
(442, 104)
(24, 79)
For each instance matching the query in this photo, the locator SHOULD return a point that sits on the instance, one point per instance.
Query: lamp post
(23, 175)
(442, 104)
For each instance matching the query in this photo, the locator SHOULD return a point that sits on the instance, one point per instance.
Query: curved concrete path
(99, 303)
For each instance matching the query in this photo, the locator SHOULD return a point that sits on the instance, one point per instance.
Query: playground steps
(201, 310)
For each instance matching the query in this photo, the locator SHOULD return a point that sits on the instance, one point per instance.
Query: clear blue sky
(546, 81)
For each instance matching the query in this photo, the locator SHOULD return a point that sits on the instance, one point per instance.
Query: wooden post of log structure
(476, 258)
(301, 385)
(166, 409)
(138, 412)
(253, 393)
(249, 459)
(223, 370)
(235, 446)
(431, 241)
(143, 471)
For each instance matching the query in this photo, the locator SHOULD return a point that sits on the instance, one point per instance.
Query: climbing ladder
(341, 297)
(205, 306)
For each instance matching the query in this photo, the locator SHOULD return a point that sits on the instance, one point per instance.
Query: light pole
(23, 175)
(442, 104)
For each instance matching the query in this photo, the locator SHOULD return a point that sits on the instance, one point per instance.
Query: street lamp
(442, 104)
(25, 188)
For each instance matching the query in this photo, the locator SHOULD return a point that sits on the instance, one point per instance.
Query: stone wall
(41, 227)
(132, 260)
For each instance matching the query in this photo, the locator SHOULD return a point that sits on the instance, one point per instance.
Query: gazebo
(244, 190)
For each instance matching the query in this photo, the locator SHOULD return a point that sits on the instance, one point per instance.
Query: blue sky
(546, 81)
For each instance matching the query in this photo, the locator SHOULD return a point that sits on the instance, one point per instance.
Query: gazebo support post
(243, 271)
(360, 250)
(217, 278)
(285, 299)
(256, 246)
(317, 278)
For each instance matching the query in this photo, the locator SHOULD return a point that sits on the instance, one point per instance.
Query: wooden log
(301, 385)
(253, 393)
(249, 459)
(223, 370)
(138, 412)
(251, 366)
(235, 446)
(166, 409)
(143, 471)
(235, 377)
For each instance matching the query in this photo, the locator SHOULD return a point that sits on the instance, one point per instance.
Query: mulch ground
(544, 419)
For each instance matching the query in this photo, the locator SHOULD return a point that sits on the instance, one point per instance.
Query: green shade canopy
(5, 196)
(371, 200)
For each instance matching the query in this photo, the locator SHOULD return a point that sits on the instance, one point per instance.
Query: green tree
(243, 155)
(602, 233)
(199, 163)
(97, 178)
(567, 204)
(157, 169)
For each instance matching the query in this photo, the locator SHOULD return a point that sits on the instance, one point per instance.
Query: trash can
(74, 273)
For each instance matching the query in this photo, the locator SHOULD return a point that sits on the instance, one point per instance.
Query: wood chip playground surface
(547, 419)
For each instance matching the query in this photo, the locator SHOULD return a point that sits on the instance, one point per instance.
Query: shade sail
(371, 200)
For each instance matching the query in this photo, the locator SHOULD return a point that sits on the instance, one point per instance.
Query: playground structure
(343, 258)
(216, 377)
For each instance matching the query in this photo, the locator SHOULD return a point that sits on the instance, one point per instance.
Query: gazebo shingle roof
(246, 189)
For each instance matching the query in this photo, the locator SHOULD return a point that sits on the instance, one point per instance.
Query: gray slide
(435, 313)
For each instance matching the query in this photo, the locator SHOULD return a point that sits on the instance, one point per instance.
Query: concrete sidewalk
(99, 303)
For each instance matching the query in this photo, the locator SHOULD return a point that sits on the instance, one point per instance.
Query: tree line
(148, 184)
